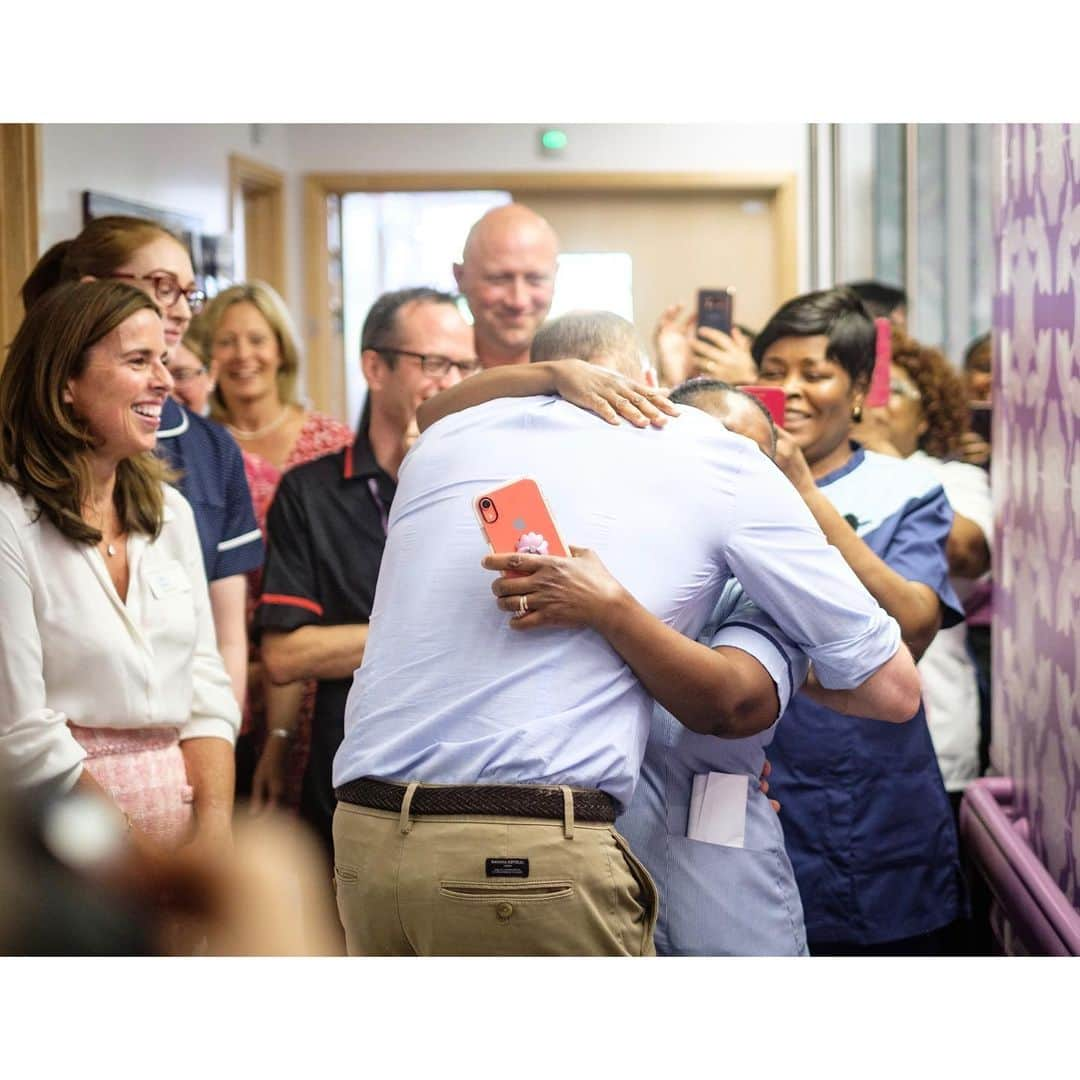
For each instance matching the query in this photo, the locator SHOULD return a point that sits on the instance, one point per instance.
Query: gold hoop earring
(856, 414)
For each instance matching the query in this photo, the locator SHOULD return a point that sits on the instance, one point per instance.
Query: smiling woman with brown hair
(110, 678)
(208, 468)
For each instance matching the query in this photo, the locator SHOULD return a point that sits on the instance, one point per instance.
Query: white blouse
(71, 650)
(949, 679)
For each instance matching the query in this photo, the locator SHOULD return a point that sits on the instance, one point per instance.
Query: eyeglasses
(435, 366)
(167, 289)
(186, 375)
(903, 390)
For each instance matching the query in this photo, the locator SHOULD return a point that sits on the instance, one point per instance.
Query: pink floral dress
(320, 435)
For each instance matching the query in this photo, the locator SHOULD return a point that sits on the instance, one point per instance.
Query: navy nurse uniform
(866, 819)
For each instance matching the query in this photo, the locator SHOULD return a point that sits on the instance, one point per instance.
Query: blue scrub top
(212, 479)
(867, 823)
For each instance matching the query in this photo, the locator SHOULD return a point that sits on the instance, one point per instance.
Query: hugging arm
(588, 386)
(723, 691)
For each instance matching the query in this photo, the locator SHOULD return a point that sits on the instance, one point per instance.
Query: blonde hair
(273, 310)
(44, 445)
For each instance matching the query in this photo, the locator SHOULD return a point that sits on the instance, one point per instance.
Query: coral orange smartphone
(772, 397)
(516, 518)
(716, 308)
(878, 394)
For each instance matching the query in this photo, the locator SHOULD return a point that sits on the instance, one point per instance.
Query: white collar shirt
(948, 673)
(72, 651)
(449, 693)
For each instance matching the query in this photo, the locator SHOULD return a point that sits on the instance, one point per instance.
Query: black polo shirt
(325, 534)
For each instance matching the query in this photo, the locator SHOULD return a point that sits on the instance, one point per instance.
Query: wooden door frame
(247, 175)
(20, 174)
(324, 377)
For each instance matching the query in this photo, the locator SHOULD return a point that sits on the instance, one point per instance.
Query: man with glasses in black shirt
(327, 526)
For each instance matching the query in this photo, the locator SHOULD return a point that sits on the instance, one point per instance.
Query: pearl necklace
(258, 433)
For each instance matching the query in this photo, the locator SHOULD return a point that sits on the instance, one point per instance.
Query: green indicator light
(554, 140)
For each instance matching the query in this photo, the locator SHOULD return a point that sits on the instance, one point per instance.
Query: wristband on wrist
(280, 733)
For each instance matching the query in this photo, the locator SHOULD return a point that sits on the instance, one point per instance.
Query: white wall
(515, 147)
(185, 166)
(592, 147)
(181, 167)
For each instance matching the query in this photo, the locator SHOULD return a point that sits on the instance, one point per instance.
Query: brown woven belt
(496, 800)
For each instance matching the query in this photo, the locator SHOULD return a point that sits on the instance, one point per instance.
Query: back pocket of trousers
(523, 892)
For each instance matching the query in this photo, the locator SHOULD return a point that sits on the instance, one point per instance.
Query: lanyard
(384, 513)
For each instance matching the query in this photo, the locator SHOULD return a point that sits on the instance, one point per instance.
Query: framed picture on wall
(211, 255)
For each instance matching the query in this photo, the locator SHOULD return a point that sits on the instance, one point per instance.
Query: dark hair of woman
(837, 314)
(44, 447)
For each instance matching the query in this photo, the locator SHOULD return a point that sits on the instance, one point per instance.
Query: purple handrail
(1039, 912)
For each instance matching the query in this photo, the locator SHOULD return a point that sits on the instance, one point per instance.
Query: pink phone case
(878, 393)
(772, 397)
(516, 518)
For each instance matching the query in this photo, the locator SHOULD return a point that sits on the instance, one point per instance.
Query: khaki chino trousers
(488, 886)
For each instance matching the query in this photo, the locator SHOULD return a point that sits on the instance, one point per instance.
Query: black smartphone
(716, 308)
(982, 420)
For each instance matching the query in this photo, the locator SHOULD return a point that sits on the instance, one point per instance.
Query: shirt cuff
(846, 664)
(787, 668)
(209, 728)
(245, 555)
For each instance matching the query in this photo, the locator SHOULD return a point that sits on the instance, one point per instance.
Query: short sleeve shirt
(212, 479)
(325, 529)
(950, 681)
(866, 820)
(719, 900)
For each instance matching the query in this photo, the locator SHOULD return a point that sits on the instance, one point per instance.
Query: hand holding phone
(772, 397)
(878, 394)
(515, 518)
(716, 308)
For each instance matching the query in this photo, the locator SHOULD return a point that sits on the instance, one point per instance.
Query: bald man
(507, 275)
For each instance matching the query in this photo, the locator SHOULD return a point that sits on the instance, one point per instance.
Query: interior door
(679, 242)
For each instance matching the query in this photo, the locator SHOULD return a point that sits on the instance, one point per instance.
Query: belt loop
(568, 812)
(406, 803)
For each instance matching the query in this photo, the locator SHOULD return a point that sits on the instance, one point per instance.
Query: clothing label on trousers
(507, 867)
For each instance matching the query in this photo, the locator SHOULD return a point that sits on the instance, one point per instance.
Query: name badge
(168, 580)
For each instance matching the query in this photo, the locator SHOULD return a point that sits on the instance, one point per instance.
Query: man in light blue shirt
(452, 833)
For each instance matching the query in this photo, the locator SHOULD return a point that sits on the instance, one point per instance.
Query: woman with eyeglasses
(206, 462)
(254, 352)
(192, 379)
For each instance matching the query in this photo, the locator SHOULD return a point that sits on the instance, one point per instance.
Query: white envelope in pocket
(718, 809)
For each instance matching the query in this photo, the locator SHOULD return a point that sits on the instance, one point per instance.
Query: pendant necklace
(258, 433)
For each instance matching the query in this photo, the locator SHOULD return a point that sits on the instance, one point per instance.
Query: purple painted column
(1036, 481)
